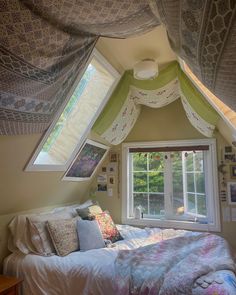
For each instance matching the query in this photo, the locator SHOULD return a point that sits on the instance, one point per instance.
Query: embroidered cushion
(39, 233)
(90, 236)
(64, 235)
(88, 212)
(108, 227)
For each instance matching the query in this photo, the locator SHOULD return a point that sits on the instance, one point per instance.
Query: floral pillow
(108, 227)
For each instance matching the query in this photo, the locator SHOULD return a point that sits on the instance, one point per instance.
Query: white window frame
(54, 167)
(212, 191)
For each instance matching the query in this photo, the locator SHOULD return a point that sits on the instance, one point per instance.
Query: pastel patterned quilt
(186, 264)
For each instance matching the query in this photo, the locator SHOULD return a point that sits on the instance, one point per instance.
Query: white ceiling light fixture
(146, 69)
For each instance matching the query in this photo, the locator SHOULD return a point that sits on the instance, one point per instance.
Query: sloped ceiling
(124, 53)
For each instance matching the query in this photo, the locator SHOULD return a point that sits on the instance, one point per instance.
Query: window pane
(156, 203)
(178, 182)
(190, 182)
(191, 203)
(156, 182)
(139, 162)
(199, 161)
(79, 112)
(156, 161)
(178, 194)
(201, 205)
(200, 183)
(141, 200)
(189, 161)
(140, 182)
(176, 161)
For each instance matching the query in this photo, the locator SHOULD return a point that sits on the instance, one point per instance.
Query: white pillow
(20, 236)
(40, 236)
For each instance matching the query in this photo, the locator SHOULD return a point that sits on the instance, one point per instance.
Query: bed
(118, 269)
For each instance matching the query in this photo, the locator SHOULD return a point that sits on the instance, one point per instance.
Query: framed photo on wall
(232, 171)
(86, 161)
(231, 189)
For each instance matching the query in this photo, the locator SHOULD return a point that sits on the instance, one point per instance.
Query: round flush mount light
(146, 69)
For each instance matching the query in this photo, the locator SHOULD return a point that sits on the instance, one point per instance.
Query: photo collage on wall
(107, 178)
(227, 171)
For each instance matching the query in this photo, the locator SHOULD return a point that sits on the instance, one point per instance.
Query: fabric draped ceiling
(123, 108)
(45, 45)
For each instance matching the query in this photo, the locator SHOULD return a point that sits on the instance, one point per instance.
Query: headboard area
(4, 231)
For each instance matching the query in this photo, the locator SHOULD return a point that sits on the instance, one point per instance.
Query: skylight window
(70, 129)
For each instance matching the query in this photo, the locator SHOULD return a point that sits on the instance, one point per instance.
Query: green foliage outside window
(148, 182)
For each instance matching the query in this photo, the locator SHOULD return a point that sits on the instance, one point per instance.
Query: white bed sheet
(84, 273)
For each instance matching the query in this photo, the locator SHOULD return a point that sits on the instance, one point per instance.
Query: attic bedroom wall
(167, 123)
(27, 190)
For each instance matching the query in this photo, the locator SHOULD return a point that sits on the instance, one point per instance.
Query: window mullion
(148, 183)
(131, 182)
(167, 186)
(184, 183)
(195, 185)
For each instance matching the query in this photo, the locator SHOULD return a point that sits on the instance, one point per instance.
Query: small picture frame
(104, 169)
(232, 171)
(86, 161)
(231, 191)
(111, 180)
(112, 168)
(229, 155)
(102, 178)
(113, 157)
(102, 187)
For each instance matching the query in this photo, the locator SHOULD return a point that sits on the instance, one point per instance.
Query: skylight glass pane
(78, 114)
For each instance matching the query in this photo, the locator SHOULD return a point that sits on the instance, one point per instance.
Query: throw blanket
(171, 266)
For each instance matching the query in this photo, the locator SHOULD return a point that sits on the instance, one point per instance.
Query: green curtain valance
(114, 123)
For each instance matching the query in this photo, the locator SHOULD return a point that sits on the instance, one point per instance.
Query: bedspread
(94, 272)
(172, 266)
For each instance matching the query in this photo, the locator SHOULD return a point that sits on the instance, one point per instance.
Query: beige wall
(26, 190)
(168, 123)
(20, 191)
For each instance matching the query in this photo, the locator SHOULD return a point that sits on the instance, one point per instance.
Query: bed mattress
(93, 272)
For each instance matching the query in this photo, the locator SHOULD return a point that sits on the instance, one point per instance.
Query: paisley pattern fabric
(172, 266)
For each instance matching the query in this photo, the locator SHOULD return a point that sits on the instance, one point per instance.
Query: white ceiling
(124, 53)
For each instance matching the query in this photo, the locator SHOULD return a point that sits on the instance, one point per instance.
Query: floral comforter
(176, 266)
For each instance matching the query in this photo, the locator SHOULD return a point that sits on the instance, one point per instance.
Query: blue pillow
(89, 234)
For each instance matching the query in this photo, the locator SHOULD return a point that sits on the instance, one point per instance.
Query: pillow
(64, 235)
(20, 238)
(108, 227)
(90, 236)
(39, 234)
(88, 212)
(76, 206)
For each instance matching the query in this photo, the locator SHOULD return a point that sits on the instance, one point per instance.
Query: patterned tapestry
(44, 45)
(203, 34)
